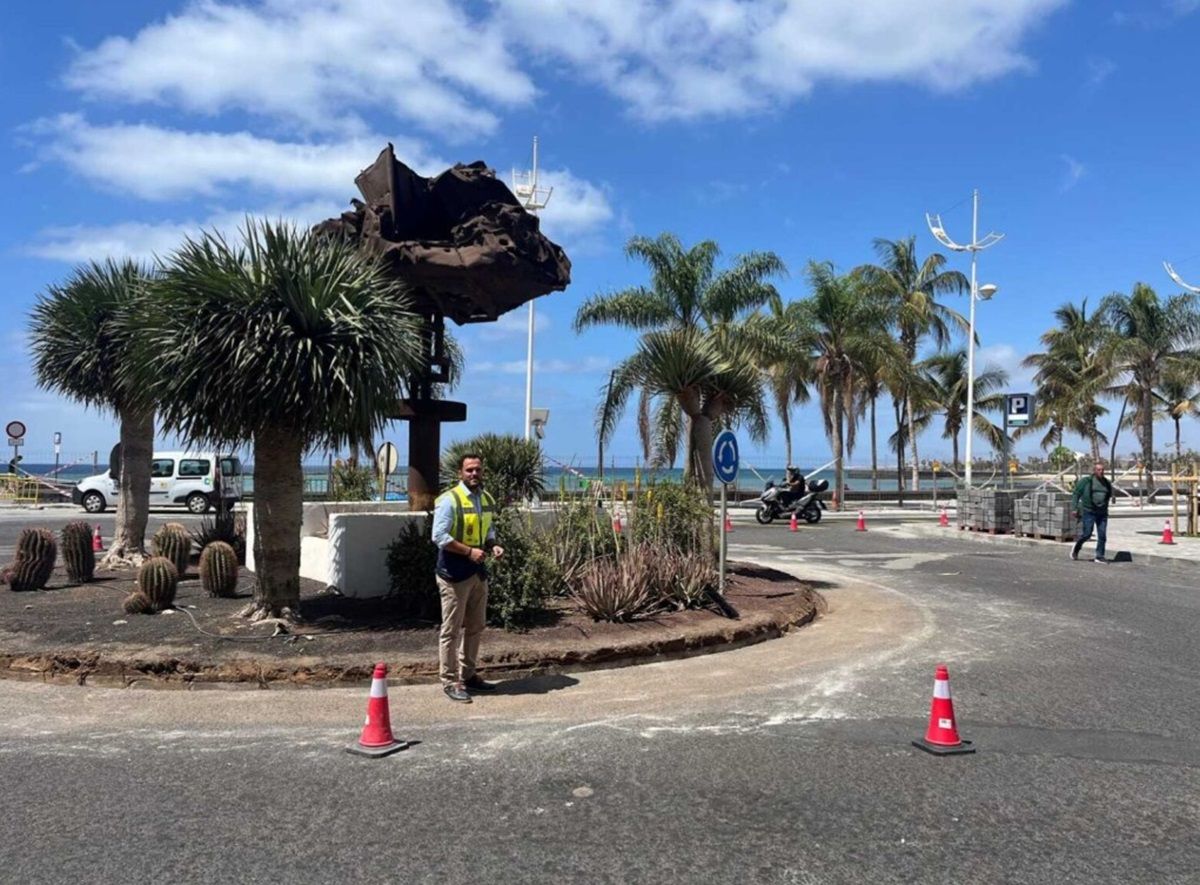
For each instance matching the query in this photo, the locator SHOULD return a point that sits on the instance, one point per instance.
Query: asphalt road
(13, 520)
(785, 762)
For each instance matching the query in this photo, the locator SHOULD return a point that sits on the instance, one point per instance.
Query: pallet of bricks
(986, 510)
(1045, 515)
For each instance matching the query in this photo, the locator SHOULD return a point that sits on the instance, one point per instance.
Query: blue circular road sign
(725, 457)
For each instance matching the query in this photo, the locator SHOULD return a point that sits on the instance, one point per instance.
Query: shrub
(619, 588)
(411, 560)
(581, 533)
(351, 482)
(512, 467)
(669, 515)
(520, 582)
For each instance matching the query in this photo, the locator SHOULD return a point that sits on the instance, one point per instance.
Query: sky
(802, 127)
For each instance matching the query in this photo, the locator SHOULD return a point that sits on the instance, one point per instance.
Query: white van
(185, 478)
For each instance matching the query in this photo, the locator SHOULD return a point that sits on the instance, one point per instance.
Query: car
(176, 478)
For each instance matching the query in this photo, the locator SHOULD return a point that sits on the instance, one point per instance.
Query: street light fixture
(978, 293)
(1171, 273)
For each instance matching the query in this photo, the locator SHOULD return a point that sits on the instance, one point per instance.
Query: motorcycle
(775, 503)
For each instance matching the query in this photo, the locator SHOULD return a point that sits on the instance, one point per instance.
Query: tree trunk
(954, 442)
(700, 445)
(839, 468)
(278, 503)
(128, 546)
(912, 441)
(1148, 437)
(899, 455)
(874, 452)
(1178, 448)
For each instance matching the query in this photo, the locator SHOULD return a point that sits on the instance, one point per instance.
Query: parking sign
(1018, 409)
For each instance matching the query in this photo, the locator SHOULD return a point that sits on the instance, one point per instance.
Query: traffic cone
(944, 519)
(862, 522)
(97, 544)
(617, 523)
(1168, 536)
(376, 738)
(941, 738)
(728, 523)
(794, 525)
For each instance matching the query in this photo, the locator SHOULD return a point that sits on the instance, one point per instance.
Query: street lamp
(978, 293)
(533, 197)
(1171, 273)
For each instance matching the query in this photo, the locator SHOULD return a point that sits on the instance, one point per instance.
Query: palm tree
(1072, 373)
(909, 287)
(1179, 395)
(287, 339)
(1152, 339)
(79, 342)
(789, 375)
(949, 374)
(840, 326)
(688, 304)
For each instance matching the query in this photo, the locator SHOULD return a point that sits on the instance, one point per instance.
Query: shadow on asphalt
(536, 684)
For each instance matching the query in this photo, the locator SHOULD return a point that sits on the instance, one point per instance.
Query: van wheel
(197, 502)
(93, 502)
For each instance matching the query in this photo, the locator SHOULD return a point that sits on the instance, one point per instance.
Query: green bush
(520, 582)
(411, 561)
(667, 515)
(512, 467)
(351, 482)
(582, 532)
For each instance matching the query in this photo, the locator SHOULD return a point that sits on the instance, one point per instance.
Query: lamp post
(978, 293)
(533, 198)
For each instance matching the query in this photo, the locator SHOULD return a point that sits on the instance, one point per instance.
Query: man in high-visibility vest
(464, 535)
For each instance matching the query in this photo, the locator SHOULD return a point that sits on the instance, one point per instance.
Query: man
(463, 533)
(1090, 502)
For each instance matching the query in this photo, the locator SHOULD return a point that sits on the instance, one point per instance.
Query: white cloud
(694, 58)
(585, 365)
(1008, 358)
(576, 206)
(156, 163)
(318, 63)
(1072, 174)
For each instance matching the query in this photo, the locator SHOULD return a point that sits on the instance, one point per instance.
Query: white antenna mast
(533, 198)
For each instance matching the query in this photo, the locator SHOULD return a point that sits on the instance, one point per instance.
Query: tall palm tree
(839, 324)
(789, 373)
(1179, 396)
(79, 342)
(1152, 339)
(287, 339)
(688, 304)
(949, 373)
(910, 288)
(1073, 372)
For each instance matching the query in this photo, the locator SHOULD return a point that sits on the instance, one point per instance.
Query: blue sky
(800, 126)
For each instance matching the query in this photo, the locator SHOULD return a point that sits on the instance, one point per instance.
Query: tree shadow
(536, 684)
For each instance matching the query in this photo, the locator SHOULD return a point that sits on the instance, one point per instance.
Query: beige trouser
(464, 613)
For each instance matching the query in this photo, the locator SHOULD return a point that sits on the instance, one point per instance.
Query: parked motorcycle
(775, 503)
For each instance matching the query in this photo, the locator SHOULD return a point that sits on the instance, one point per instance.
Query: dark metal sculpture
(467, 250)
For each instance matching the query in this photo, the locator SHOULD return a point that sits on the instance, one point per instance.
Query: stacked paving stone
(986, 510)
(1045, 514)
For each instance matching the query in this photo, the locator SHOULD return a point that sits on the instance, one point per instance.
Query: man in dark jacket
(1090, 502)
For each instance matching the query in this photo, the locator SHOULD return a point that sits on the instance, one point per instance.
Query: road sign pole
(724, 537)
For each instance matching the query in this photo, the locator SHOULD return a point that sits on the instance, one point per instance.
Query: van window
(162, 468)
(194, 467)
(231, 467)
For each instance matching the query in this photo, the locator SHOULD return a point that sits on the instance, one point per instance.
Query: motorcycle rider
(795, 486)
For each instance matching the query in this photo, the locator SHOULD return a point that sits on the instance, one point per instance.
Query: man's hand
(477, 555)
(498, 552)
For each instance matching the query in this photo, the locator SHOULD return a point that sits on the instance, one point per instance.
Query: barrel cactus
(173, 542)
(34, 562)
(156, 581)
(77, 552)
(219, 569)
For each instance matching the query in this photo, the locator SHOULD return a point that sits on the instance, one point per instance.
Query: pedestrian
(1090, 502)
(12, 465)
(464, 534)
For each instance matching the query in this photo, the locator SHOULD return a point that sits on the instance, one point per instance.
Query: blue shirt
(443, 518)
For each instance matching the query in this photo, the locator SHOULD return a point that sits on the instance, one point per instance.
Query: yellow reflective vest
(470, 526)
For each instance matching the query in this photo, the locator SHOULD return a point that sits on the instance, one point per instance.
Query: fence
(17, 489)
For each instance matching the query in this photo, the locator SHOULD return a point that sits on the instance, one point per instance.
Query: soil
(80, 633)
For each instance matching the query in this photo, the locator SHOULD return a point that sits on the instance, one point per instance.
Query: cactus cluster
(173, 542)
(219, 569)
(155, 587)
(77, 552)
(34, 562)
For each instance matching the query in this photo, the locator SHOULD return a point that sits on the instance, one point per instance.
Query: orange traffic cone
(941, 738)
(617, 523)
(97, 544)
(862, 522)
(794, 525)
(377, 739)
(728, 523)
(944, 519)
(1168, 536)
